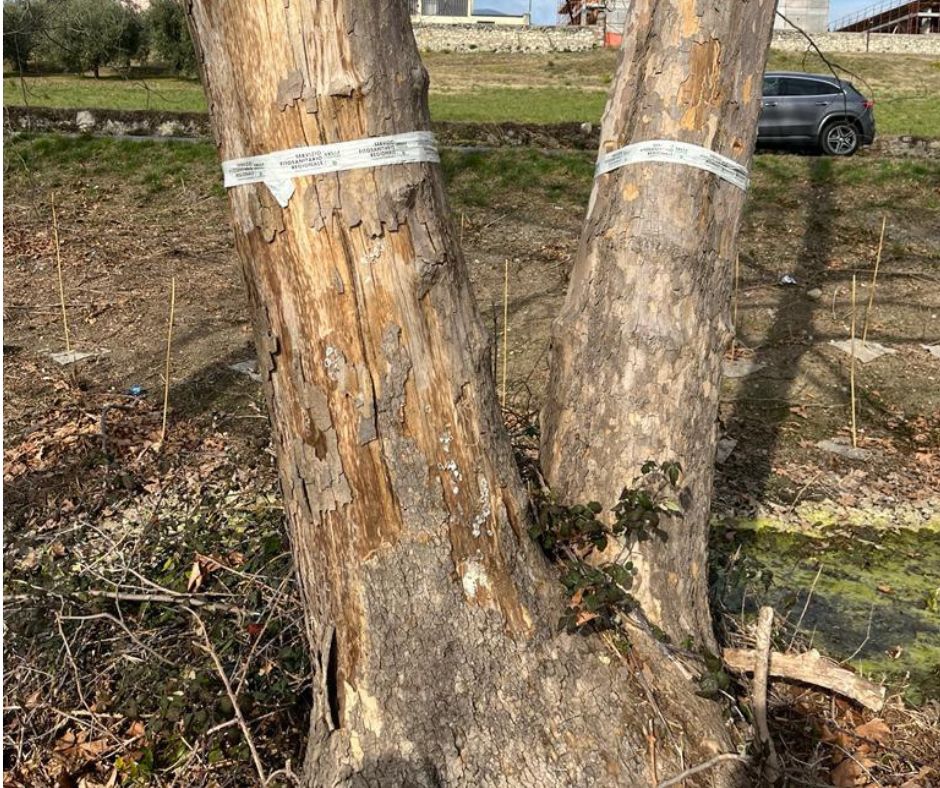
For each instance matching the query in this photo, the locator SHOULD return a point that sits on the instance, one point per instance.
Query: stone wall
(194, 126)
(876, 43)
(484, 38)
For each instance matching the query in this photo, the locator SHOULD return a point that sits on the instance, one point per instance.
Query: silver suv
(816, 109)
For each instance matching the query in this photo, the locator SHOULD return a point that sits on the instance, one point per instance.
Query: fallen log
(811, 668)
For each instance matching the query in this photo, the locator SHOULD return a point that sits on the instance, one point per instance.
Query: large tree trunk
(636, 352)
(430, 614)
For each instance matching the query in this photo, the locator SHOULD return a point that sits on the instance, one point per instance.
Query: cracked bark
(636, 350)
(429, 613)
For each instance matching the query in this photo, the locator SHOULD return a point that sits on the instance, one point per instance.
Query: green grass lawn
(111, 92)
(481, 88)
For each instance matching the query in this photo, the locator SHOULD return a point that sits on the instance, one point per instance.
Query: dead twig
(854, 654)
(246, 733)
(709, 764)
(115, 620)
(809, 596)
(167, 599)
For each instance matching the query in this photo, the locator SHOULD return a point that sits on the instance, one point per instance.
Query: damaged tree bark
(636, 352)
(430, 614)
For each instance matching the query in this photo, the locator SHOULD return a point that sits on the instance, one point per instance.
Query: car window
(771, 86)
(794, 86)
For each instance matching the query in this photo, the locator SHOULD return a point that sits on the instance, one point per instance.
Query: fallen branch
(761, 663)
(811, 668)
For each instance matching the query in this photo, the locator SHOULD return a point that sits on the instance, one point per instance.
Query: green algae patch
(874, 603)
(820, 518)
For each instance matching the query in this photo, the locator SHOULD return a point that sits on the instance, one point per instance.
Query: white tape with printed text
(670, 152)
(276, 170)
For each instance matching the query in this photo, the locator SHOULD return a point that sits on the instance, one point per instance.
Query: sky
(543, 11)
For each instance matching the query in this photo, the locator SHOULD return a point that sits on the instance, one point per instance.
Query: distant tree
(85, 35)
(22, 25)
(168, 35)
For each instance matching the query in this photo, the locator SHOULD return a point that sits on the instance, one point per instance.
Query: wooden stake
(463, 221)
(505, 328)
(734, 319)
(852, 369)
(874, 278)
(166, 372)
(58, 264)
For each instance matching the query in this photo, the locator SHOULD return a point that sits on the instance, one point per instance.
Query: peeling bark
(429, 613)
(636, 351)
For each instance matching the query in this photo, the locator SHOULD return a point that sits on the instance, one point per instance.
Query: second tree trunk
(637, 350)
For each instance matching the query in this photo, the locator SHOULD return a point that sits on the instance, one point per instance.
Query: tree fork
(637, 349)
(429, 613)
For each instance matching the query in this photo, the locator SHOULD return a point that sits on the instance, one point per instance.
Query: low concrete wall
(484, 38)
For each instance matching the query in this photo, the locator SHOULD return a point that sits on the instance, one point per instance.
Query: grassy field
(479, 87)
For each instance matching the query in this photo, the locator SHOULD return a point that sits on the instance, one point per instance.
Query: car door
(803, 102)
(769, 125)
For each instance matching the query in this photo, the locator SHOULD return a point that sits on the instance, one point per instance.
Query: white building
(462, 12)
(812, 16)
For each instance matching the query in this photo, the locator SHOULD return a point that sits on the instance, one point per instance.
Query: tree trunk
(637, 349)
(429, 613)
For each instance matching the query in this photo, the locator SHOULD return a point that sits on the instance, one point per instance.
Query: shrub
(169, 35)
(22, 26)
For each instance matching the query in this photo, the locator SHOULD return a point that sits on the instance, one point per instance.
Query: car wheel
(839, 138)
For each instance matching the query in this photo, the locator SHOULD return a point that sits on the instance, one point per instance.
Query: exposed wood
(430, 615)
(637, 349)
(814, 669)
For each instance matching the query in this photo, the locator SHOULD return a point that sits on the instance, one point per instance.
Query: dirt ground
(133, 216)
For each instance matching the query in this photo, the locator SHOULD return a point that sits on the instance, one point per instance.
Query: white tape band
(671, 152)
(277, 169)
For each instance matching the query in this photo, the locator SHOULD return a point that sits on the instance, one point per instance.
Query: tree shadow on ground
(761, 409)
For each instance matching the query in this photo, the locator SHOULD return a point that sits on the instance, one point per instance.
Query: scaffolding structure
(893, 16)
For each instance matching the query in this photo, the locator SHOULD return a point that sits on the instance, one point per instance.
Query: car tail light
(869, 104)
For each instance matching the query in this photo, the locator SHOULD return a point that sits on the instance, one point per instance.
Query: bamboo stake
(166, 373)
(852, 368)
(874, 279)
(505, 328)
(734, 319)
(58, 264)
